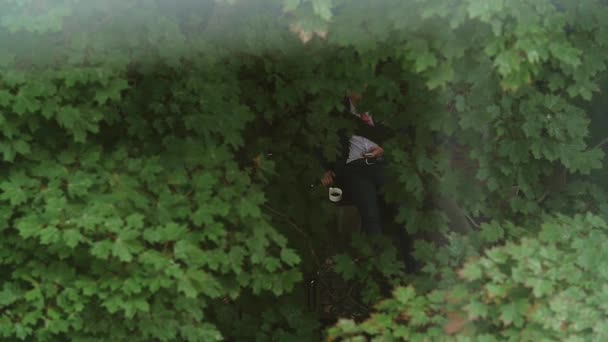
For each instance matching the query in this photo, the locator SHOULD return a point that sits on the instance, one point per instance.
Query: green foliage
(375, 266)
(285, 320)
(141, 202)
(127, 214)
(549, 287)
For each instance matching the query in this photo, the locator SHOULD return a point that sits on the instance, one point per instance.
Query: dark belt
(367, 161)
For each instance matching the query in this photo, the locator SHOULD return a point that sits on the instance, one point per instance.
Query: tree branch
(473, 222)
(601, 143)
(298, 229)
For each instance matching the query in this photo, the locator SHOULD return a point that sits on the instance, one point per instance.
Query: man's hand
(376, 152)
(328, 178)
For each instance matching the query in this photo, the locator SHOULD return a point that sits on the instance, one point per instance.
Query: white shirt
(358, 145)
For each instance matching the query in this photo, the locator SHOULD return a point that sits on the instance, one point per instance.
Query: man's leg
(364, 195)
(402, 239)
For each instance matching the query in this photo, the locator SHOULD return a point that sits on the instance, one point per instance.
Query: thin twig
(542, 198)
(601, 143)
(286, 218)
(473, 222)
(298, 229)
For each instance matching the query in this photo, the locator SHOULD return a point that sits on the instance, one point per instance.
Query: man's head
(355, 96)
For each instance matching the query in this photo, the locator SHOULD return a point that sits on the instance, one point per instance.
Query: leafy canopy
(131, 209)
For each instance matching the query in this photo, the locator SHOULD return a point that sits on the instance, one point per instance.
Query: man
(360, 168)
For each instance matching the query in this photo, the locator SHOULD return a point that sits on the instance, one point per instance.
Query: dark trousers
(364, 185)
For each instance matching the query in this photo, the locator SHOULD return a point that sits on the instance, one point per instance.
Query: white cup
(335, 194)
